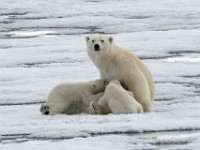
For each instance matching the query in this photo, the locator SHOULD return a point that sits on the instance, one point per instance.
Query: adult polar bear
(115, 63)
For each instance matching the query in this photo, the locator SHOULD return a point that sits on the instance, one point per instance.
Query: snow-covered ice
(42, 44)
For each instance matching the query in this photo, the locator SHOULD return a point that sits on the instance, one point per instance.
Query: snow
(42, 44)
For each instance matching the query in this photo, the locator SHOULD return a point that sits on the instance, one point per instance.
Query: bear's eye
(92, 41)
(94, 86)
(102, 41)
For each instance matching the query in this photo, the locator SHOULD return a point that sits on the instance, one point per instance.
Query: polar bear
(115, 100)
(73, 98)
(115, 63)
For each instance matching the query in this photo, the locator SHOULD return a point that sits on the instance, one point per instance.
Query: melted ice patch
(3, 17)
(190, 58)
(29, 33)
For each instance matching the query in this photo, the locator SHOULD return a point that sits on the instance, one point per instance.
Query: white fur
(115, 63)
(118, 101)
(73, 98)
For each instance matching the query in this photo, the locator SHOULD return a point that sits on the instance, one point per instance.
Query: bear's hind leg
(140, 90)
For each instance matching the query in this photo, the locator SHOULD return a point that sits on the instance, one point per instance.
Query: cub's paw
(44, 109)
(93, 108)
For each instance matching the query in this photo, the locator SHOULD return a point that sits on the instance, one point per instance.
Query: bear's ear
(87, 38)
(110, 40)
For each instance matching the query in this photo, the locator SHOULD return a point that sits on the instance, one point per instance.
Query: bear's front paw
(44, 109)
(93, 108)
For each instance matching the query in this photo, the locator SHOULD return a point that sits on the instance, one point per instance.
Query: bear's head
(98, 45)
(115, 82)
(98, 85)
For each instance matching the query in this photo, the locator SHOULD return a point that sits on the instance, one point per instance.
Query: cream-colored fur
(73, 98)
(115, 63)
(115, 100)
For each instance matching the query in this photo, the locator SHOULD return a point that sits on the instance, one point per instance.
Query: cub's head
(98, 85)
(98, 45)
(115, 82)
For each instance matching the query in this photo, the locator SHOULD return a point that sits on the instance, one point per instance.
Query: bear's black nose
(96, 47)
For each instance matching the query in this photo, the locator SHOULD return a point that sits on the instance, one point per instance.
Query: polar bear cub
(73, 98)
(115, 100)
(116, 63)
